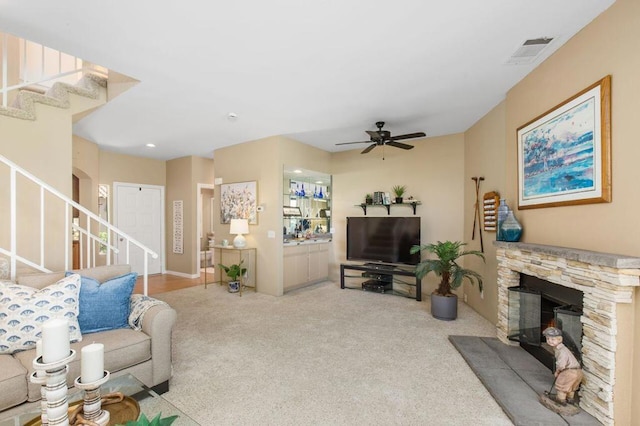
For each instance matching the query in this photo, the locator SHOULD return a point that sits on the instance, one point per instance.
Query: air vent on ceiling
(529, 51)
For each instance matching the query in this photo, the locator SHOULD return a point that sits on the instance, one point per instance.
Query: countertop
(305, 241)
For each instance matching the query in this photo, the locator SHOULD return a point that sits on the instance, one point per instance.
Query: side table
(229, 255)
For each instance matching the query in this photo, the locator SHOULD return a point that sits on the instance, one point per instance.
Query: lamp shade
(239, 226)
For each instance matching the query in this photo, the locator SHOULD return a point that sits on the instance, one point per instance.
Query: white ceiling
(320, 72)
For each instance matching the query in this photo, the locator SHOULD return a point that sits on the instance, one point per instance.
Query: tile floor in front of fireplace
(515, 379)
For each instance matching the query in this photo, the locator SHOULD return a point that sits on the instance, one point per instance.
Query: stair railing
(90, 241)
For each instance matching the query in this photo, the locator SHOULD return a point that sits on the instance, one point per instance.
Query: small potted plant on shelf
(444, 303)
(399, 191)
(234, 272)
(368, 199)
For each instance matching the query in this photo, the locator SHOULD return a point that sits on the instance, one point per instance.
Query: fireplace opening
(537, 304)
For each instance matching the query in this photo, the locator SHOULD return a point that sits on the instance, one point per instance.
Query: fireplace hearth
(605, 281)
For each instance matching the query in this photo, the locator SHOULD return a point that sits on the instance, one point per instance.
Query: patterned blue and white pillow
(23, 310)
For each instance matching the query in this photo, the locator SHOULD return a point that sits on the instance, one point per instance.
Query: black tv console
(380, 278)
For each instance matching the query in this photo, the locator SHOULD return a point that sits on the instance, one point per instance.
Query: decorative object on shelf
(503, 209)
(398, 191)
(368, 199)
(239, 227)
(239, 201)
(490, 211)
(378, 197)
(564, 155)
(510, 229)
(444, 303)
(234, 272)
(476, 212)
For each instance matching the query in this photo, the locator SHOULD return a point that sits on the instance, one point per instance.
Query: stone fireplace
(605, 281)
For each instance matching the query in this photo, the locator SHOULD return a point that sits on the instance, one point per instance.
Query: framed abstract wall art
(239, 201)
(564, 155)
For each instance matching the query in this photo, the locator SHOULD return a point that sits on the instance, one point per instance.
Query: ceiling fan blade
(399, 145)
(349, 143)
(408, 136)
(369, 148)
(375, 136)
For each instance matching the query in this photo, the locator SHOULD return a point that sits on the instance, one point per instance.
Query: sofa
(145, 353)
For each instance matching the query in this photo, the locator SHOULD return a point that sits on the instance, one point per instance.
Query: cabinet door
(318, 262)
(296, 266)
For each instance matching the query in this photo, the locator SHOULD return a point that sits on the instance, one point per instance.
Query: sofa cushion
(13, 381)
(23, 310)
(105, 306)
(123, 348)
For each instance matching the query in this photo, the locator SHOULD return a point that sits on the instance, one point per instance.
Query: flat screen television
(383, 239)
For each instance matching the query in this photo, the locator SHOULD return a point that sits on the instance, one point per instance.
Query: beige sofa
(146, 354)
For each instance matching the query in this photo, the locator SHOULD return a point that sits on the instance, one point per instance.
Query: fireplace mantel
(605, 279)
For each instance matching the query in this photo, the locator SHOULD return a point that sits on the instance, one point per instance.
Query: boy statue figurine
(568, 371)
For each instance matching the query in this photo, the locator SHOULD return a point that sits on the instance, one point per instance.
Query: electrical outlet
(464, 297)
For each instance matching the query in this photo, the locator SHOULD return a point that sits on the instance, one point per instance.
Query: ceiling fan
(383, 137)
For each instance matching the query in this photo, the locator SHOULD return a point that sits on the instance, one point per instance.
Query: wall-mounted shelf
(412, 204)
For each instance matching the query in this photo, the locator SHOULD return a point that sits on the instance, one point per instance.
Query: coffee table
(150, 402)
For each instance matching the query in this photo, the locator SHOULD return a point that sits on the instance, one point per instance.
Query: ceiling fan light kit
(383, 137)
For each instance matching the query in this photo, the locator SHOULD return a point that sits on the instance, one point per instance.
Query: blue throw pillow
(105, 306)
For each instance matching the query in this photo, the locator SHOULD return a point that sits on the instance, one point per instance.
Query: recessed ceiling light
(297, 171)
(232, 116)
(150, 145)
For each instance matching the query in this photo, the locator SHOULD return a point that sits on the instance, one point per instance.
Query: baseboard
(182, 274)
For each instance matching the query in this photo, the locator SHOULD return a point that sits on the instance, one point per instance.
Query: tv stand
(380, 266)
(385, 275)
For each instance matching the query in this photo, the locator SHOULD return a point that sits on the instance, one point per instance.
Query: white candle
(39, 348)
(92, 363)
(55, 340)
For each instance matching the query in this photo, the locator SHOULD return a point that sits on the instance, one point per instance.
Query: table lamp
(239, 227)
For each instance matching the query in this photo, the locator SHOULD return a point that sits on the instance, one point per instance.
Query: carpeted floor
(323, 356)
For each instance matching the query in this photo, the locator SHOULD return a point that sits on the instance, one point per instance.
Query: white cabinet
(305, 264)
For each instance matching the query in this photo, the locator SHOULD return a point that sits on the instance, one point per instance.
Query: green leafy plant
(399, 190)
(446, 266)
(157, 421)
(234, 271)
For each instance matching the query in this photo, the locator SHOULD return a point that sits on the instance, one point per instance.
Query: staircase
(37, 225)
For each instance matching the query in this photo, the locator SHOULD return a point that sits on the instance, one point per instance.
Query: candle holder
(53, 377)
(39, 377)
(92, 406)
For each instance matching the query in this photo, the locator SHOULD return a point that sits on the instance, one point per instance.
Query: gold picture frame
(564, 155)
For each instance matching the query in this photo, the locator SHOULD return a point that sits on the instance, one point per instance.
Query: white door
(139, 212)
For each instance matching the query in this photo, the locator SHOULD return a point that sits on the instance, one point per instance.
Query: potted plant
(444, 303)
(233, 272)
(399, 191)
(368, 199)
(157, 421)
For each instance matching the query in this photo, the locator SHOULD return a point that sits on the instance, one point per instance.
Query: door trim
(200, 187)
(118, 185)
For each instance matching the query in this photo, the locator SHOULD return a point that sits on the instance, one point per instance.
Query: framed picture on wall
(239, 201)
(564, 155)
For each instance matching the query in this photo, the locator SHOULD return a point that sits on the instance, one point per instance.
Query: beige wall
(607, 46)
(44, 148)
(434, 174)
(263, 161)
(485, 157)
